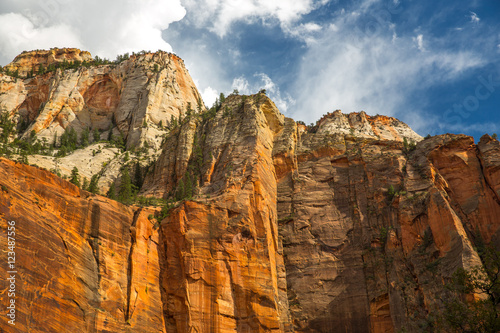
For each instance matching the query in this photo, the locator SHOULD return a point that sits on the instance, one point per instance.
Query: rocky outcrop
(84, 263)
(359, 258)
(371, 229)
(360, 124)
(269, 226)
(28, 63)
(134, 98)
(224, 268)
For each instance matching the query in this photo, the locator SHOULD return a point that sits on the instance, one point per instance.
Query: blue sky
(432, 64)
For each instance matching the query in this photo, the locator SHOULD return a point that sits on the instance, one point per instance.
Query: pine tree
(138, 178)
(73, 138)
(180, 193)
(85, 185)
(93, 184)
(97, 135)
(112, 192)
(188, 189)
(200, 105)
(125, 194)
(84, 137)
(75, 177)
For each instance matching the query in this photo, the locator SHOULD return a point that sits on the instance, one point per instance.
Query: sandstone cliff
(270, 226)
(133, 99)
(130, 98)
(30, 61)
(85, 263)
(358, 259)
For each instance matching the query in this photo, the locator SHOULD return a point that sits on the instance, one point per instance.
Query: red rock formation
(277, 228)
(84, 263)
(224, 267)
(31, 60)
(358, 260)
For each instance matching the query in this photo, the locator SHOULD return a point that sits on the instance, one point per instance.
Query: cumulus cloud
(211, 20)
(102, 27)
(18, 33)
(209, 96)
(218, 15)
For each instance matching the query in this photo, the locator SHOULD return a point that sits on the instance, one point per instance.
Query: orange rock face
(360, 260)
(84, 263)
(224, 265)
(31, 60)
(276, 228)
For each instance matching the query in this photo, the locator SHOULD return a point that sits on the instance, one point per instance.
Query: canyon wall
(269, 226)
(84, 263)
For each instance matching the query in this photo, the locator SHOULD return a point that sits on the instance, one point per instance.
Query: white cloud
(241, 84)
(209, 96)
(355, 70)
(218, 15)
(474, 18)
(305, 32)
(263, 81)
(17, 33)
(101, 27)
(420, 42)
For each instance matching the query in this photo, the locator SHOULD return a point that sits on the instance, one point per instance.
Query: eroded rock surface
(134, 98)
(84, 263)
(224, 268)
(271, 226)
(359, 259)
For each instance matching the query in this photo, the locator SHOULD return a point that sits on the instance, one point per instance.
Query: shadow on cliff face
(162, 262)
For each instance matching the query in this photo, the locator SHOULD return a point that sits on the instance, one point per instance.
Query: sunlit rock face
(84, 263)
(272, 226)
(132, 98)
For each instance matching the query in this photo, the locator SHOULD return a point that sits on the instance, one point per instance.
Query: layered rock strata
(133, 98)
(271, 226)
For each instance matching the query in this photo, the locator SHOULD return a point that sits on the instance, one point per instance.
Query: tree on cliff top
(75, 177)
(126, 191)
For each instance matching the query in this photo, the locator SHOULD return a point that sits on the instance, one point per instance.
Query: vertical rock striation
(84, 263)
(271, 226)
(223, 266)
